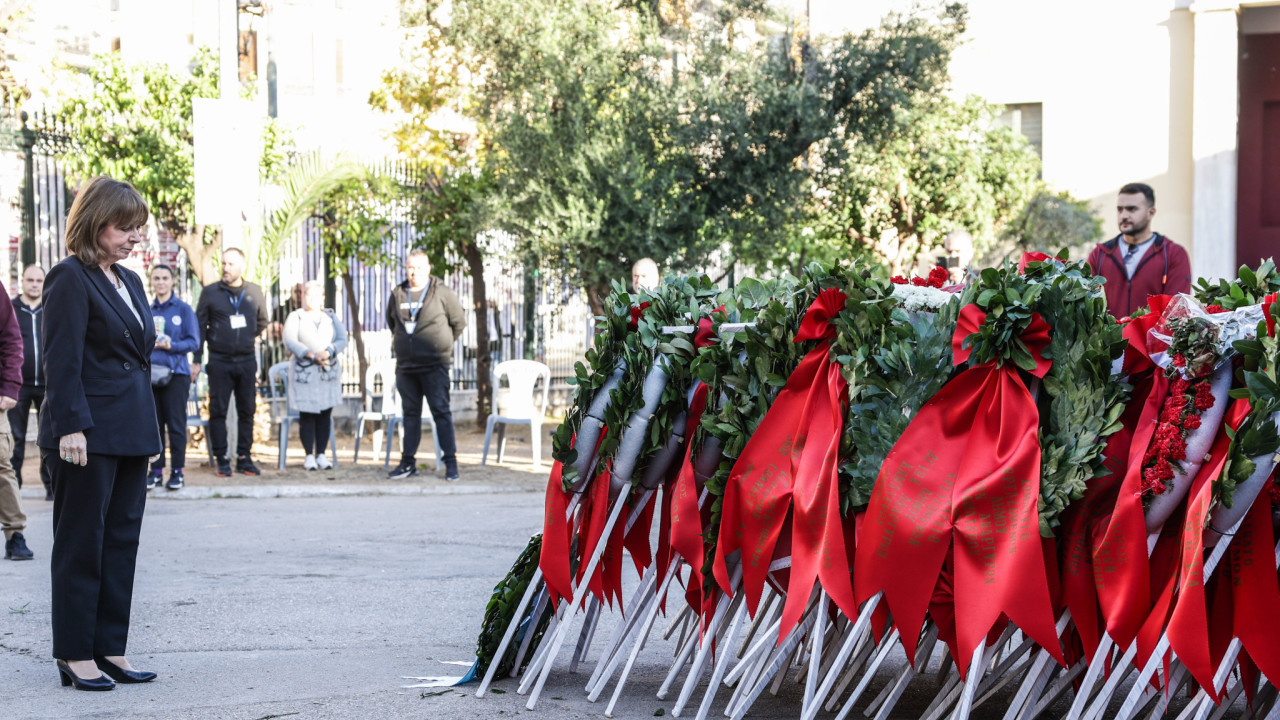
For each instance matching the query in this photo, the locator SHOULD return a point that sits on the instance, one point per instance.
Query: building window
(1027, 120)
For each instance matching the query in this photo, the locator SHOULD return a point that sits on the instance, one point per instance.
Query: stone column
(1213, 141)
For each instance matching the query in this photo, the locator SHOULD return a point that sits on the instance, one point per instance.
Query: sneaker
(245, 466)
(15, 548)
(452, 478)
(224, 467)
(322, 462)
(154, 478)
(310, 463)
(403, 470)
(175, 480)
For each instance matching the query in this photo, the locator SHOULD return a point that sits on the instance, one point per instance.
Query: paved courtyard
(316, 607)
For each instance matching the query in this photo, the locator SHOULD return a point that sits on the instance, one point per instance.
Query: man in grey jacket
(425, 319)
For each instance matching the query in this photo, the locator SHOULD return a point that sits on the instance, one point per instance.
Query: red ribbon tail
(818, 551)
(1121, 569)
(1257, 592)
(553, 558)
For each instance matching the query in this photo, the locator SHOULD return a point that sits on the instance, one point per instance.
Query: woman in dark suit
(97, 430)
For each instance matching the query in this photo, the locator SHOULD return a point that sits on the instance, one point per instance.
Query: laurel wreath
(1082, 402)
(1258, 373)
(501, 610)
(900, 359)
(745, 371)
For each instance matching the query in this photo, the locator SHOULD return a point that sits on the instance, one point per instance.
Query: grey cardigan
(314, 387)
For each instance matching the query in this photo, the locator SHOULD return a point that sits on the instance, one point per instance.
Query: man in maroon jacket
(1139, 262)
(13, 520)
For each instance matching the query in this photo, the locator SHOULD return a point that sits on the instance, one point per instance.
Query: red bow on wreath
(964, 477)
(789, 467)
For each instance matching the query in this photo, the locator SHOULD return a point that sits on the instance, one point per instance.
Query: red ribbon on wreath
(1121, 568)
(1188, 627)
(964, 476)
(682, 520)
(1254, 586)
(789, 468)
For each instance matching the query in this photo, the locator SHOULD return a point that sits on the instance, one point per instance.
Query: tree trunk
(908, 247)
(200, 256)
(357, 331)
(480, 303)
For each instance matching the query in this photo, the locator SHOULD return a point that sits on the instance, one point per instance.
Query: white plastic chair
(384, 407)
(520, 407)
(278, 381)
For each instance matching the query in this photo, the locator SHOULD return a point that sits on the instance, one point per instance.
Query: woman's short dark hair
(101, 202)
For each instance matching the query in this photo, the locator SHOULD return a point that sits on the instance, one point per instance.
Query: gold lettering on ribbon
(912, 508)
(761, 492)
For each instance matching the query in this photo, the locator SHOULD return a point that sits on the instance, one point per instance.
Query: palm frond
(302, 187)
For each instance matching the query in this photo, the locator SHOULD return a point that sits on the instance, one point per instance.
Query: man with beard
(1139, 262)
(231, 314)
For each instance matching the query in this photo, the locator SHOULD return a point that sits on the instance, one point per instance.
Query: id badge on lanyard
(411, 324)
(237, 319)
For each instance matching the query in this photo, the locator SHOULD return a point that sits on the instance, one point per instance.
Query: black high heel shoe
(70, 678)
(121, 675)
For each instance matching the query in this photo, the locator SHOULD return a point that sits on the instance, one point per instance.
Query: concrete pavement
(316, 608)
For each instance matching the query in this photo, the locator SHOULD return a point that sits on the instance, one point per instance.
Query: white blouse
(128, 300)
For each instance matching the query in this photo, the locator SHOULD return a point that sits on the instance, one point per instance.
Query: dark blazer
(97, 361)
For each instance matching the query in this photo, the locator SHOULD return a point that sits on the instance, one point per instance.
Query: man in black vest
(425, 319)
(231, 314)
(30, 313)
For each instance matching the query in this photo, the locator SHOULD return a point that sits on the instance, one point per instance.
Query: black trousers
(28, 396)
(97, 515)
(171, 409)
(432, 383)
(313, 428)
(228, 377)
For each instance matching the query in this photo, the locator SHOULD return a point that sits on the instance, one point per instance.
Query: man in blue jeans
(425, 319)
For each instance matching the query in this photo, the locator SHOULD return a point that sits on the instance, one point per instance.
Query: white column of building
(1215, 123)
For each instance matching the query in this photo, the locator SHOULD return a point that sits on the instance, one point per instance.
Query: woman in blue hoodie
(177, 336)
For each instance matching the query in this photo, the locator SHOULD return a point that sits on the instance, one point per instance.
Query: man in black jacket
(231, 314)
(425, 319)
(30, 313)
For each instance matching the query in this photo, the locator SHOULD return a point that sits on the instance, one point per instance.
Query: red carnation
(898, 280)
(1192, 422)
(1152, 482)
(1204, 397)
(1179, 386)
(938, 277)
(919, 282)
(636, 312)
(1179, 361)
(1171, 413)
(1215, 309)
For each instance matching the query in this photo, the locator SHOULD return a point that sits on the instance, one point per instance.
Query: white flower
(916, 297)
